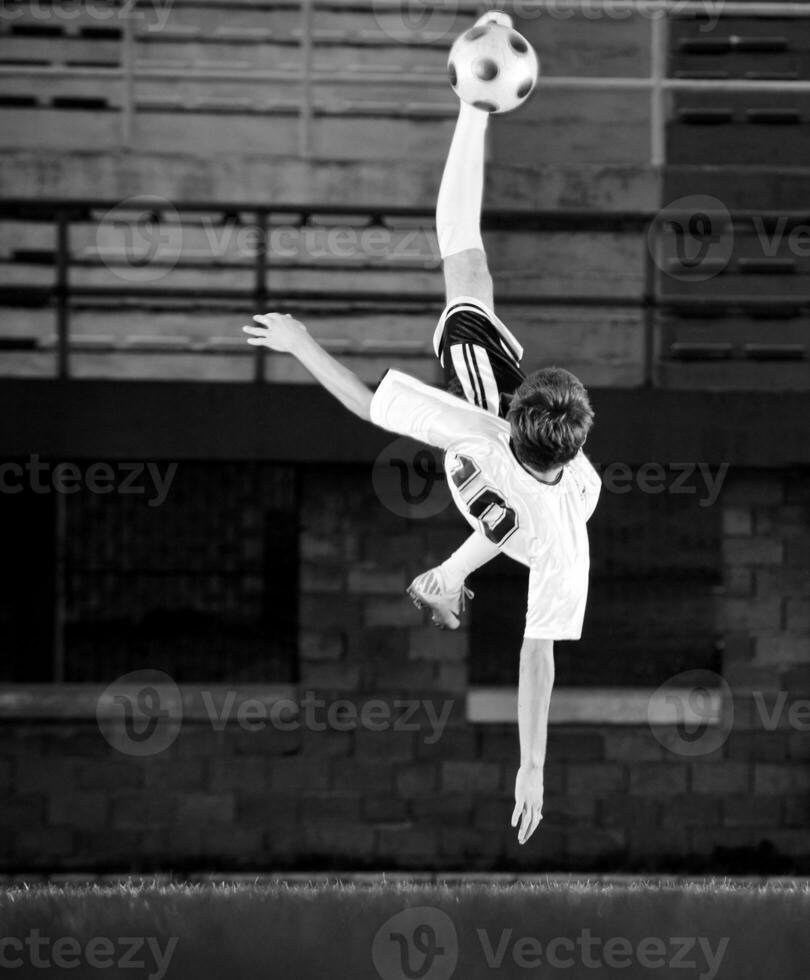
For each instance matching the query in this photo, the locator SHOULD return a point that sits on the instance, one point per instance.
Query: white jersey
(538, 524)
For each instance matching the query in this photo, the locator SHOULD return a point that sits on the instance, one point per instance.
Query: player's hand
(528, 802)
(278, 331)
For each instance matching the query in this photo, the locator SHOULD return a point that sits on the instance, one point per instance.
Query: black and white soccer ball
(493, 67)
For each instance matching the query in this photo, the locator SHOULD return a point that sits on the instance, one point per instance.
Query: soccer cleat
(494, 17)
(428, 590)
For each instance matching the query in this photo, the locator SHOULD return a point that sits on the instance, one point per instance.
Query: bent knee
(467, 274)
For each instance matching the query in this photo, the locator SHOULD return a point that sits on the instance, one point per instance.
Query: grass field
(393, 931)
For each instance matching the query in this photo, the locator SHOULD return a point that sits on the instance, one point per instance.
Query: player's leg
(458, 206)
(443, 589)
(478, 360)
(458, 220)
(479, 355)
(458, 210)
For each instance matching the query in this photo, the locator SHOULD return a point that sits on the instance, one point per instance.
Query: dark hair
(550, 416)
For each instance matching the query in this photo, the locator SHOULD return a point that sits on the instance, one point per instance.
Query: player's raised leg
(467, 277)
(458, 206)
(458, 210)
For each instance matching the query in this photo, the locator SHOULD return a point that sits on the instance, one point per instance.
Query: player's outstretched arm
(535, 682)
(282, 333)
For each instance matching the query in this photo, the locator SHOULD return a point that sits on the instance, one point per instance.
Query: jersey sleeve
(588, 481)
(409, 407)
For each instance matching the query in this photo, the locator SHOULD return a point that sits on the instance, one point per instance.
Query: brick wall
(352, 796)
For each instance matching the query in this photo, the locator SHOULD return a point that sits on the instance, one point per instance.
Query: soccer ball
(492, 67)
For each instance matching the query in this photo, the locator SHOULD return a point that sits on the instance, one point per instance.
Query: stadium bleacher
(747, 326)
(354, 93)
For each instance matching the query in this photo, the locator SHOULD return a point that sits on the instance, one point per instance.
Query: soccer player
(513, 445)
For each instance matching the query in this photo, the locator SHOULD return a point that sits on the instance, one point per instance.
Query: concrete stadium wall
(292, 180)
(381, 790)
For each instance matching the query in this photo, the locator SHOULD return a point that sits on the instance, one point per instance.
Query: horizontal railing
(63, 293)
(264, 289)
(302, 78)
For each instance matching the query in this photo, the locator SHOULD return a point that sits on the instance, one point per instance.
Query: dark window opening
(27, 584)
(203, 586)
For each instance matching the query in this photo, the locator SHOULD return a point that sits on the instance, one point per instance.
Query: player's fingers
(256, 331)
(265, 318)
(528, 825)
(536, 818)
(524, 825)
(256, 341)
(516, 814)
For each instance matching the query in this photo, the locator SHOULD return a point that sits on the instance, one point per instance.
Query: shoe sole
(421, 602)
(488, 18)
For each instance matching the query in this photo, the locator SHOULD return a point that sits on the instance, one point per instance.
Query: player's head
(550, 416)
